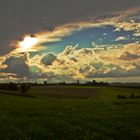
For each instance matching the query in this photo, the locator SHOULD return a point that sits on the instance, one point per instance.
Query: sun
(28, 43)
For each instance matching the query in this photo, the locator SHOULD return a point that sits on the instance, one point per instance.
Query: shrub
(121, 96)
(132, 95)
(137, 96)
(24, 88)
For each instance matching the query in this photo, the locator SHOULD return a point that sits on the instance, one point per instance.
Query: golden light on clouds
(28, 43)
(112, 57)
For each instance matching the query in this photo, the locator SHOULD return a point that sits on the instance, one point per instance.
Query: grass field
(70, 113)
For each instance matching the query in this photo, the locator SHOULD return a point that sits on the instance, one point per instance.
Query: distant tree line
(131, 96)
(77, 83)
(9, 86)
(23, 88)
(91, 83)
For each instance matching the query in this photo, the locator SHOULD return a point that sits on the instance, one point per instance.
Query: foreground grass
(101, 116)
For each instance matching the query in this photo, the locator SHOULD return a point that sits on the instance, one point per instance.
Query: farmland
(72, 113)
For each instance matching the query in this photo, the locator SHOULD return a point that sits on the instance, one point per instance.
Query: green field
(70, 113)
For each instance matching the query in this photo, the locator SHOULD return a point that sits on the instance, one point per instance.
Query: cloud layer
(97, 61)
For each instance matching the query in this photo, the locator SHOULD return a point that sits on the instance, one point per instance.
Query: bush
(24, 88)
(9, 86)
(121, 96)
(132, 95)
(137, 97)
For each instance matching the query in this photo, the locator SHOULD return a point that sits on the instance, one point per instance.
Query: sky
(69, 40)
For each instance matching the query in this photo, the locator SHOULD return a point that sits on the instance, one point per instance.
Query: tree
(45, 82)
(24, 88)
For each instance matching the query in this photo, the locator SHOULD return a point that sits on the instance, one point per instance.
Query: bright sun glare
(28, 43)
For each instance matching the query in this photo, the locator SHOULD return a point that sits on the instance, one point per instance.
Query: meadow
(70, 113)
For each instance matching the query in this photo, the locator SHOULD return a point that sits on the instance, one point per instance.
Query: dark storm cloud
(48, 59)
(18, 17)
(16, 66)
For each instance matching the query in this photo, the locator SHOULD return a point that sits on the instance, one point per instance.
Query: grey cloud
(115, 71)
(112, 73)
(97, 70)
(48, 59)
(129, 56)
(16, 66)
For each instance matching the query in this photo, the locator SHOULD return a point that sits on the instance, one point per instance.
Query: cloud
(120, 20)
(48, 59)
(129, 56)
(16, 66)
(100, 61)
(121, 38)
(4, 74)
(10, 77)
(88, 63)
(73, 63)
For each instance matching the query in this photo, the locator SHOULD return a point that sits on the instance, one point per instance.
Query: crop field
(70, 113)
